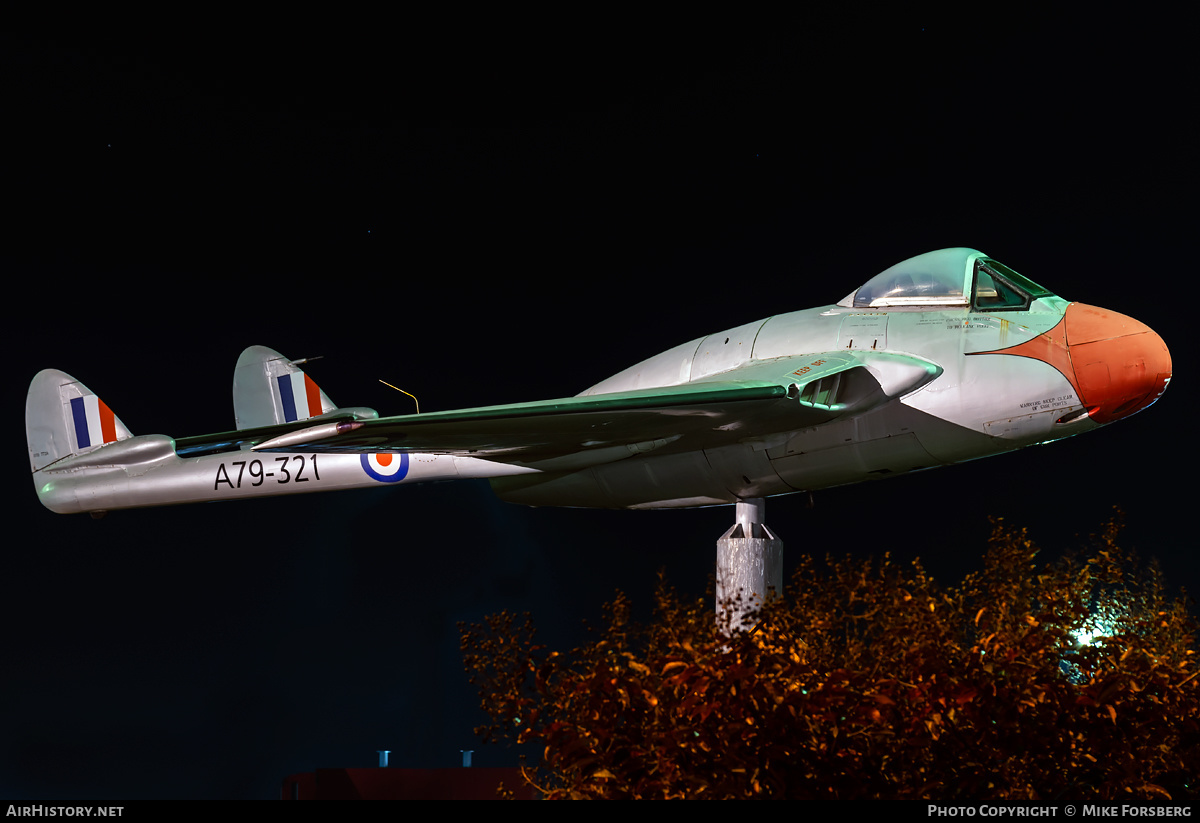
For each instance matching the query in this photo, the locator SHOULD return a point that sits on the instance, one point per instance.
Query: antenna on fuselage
(402, 391)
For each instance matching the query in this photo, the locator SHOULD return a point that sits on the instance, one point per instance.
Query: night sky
(485, 218)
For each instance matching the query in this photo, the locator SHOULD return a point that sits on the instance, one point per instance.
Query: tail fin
(63, 418)
(268, 389)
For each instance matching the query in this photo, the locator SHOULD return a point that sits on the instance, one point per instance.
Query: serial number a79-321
(290, 469)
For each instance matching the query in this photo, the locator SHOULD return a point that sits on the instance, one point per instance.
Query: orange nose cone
(1121, 366)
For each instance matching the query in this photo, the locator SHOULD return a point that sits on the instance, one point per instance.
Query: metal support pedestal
(749, 566)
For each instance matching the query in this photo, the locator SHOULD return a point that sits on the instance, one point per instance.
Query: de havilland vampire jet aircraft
(945, 357)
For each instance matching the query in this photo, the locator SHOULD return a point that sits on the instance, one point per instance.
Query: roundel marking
(385, 467)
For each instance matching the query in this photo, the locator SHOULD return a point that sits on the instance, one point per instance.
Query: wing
(753, 402)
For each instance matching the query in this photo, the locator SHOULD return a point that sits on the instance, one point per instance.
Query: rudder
(268, 389)
(63, 417)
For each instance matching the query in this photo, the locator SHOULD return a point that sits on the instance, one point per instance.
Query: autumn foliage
(870, 680)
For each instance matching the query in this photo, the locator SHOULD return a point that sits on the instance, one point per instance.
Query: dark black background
(492, 216)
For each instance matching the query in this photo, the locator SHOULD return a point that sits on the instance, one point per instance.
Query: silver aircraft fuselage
(943, 358)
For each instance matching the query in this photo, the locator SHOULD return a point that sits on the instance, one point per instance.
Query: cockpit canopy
(947, 278)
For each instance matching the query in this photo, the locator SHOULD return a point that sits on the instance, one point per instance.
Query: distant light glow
(1102, 622)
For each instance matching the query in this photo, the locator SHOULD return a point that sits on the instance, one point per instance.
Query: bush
(869, 680)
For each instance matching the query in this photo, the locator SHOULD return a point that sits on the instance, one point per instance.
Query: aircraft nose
(1121, 366)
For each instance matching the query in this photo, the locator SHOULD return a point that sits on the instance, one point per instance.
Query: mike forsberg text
(1052, 811)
